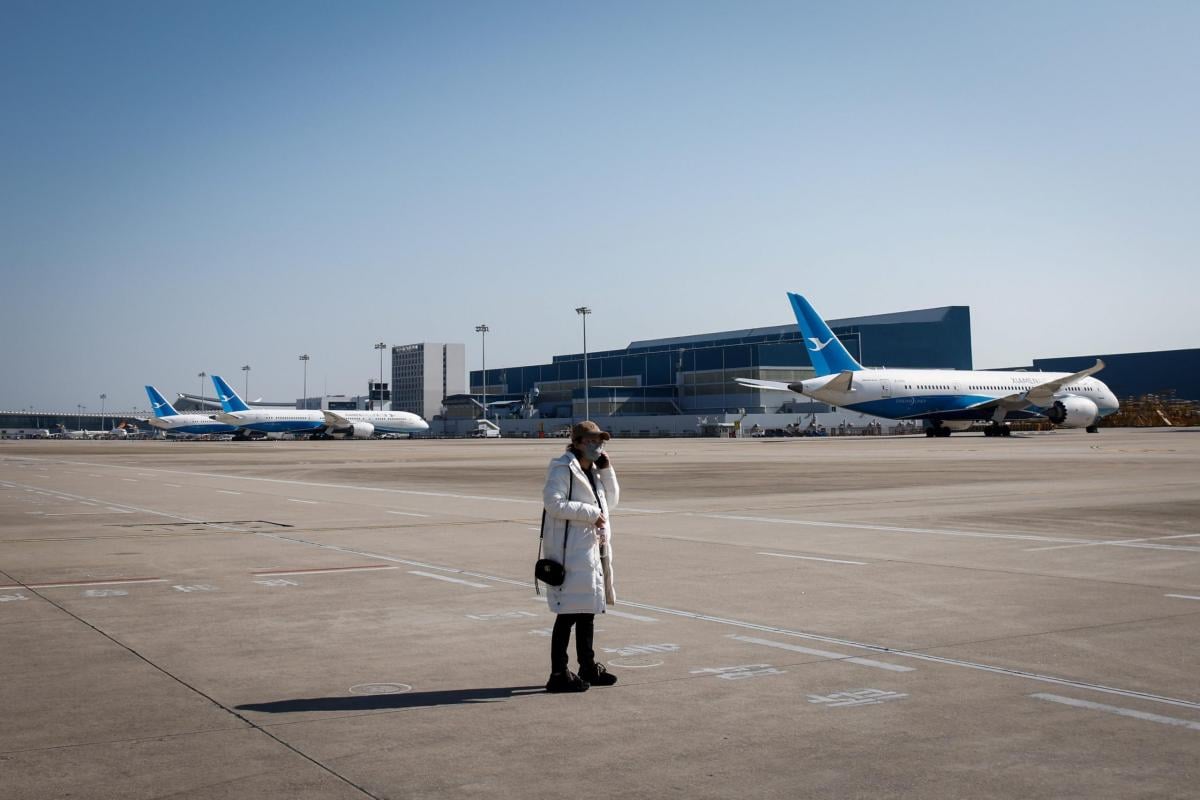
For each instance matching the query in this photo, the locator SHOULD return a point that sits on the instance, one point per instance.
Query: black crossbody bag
(547, 570)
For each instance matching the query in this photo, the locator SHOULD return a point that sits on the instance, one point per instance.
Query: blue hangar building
(687, 375)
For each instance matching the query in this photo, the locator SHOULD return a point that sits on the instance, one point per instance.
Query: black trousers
(584, 624)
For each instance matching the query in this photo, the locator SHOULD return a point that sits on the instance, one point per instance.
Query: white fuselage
(194, 424)
(284, 420)
(947, 393)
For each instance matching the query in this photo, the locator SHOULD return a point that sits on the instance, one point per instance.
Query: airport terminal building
(693, 375)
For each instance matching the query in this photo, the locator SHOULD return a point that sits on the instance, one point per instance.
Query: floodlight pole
(482, 330)
(246, 369)
(381, 346)
(200, 402)
(583, 311)
(305, 357)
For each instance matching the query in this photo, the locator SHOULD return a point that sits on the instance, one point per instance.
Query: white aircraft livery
(166, 418)
(946, 399)
(321, 424)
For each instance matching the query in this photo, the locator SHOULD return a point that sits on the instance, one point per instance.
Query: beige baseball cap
(588, 428)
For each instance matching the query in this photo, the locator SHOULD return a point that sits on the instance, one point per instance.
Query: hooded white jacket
(582, 592)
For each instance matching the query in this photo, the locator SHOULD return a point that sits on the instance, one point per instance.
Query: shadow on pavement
(371, 702)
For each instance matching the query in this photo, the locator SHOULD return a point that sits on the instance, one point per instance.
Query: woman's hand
(601, 534)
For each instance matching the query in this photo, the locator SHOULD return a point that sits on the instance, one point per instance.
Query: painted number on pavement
(855, 697)
(740, 672)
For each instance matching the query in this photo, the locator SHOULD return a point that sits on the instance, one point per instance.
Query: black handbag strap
(567, 530)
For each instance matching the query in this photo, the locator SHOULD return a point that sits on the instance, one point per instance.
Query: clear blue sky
(190, 186)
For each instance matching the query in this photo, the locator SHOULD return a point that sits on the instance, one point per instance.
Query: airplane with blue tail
(167, 419)
(277, 422)
(944, 400)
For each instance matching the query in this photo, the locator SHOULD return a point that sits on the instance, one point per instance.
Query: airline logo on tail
(159, 403)
(827, 354)
(230, 401)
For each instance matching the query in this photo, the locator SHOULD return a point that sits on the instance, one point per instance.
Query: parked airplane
(948, 400)
(167, 419)
(118, 432)
(303, 422)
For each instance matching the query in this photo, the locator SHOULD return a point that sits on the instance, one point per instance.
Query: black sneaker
(597, 675)
(566, 682)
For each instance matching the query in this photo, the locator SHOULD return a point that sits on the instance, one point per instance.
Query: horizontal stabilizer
(842, 383)
(751, 383)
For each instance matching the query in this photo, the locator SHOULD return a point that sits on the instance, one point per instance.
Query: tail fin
(159, 404)
(229, 398)
(824, 350)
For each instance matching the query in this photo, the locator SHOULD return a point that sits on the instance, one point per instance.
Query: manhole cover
(380, 688)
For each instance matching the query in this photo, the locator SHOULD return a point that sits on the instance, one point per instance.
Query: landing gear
(997, 429)
(1092, 429)
(937, 429)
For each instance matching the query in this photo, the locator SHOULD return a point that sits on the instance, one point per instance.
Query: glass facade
(696, 373)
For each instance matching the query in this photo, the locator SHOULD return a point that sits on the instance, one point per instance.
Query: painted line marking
(173, 485)
(525, 501)
(1183, 596)
(814, 558)
(1124, 712)
(448, 579)
(1022, 537)
(118, 510)
(1005, 671)
(1113, 543)
(78, 513)
(407, 514)
(864, 662)
(227, 491)
(370, 568)
(952, 662)
(310, 502)
(113, 582)
(627, 615)
(131, 480)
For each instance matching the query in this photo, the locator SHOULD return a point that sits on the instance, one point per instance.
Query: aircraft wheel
(1092, 428)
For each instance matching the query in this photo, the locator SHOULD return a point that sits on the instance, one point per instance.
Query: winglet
(230, 401)
(159, 404)
(827, 354)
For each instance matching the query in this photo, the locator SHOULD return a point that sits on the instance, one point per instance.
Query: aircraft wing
(1040, 395)
(757, 384)
(335, 420)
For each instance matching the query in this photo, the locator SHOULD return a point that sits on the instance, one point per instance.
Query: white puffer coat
(582, 592)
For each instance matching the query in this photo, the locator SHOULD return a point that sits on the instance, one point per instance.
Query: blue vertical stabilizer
(230, 401)
(159, 404)
(824, 350)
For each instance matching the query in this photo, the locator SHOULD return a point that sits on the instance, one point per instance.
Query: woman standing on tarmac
(581, 488)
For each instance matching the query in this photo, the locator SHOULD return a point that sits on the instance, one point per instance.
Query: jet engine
(365, 430)
(1073, 412)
